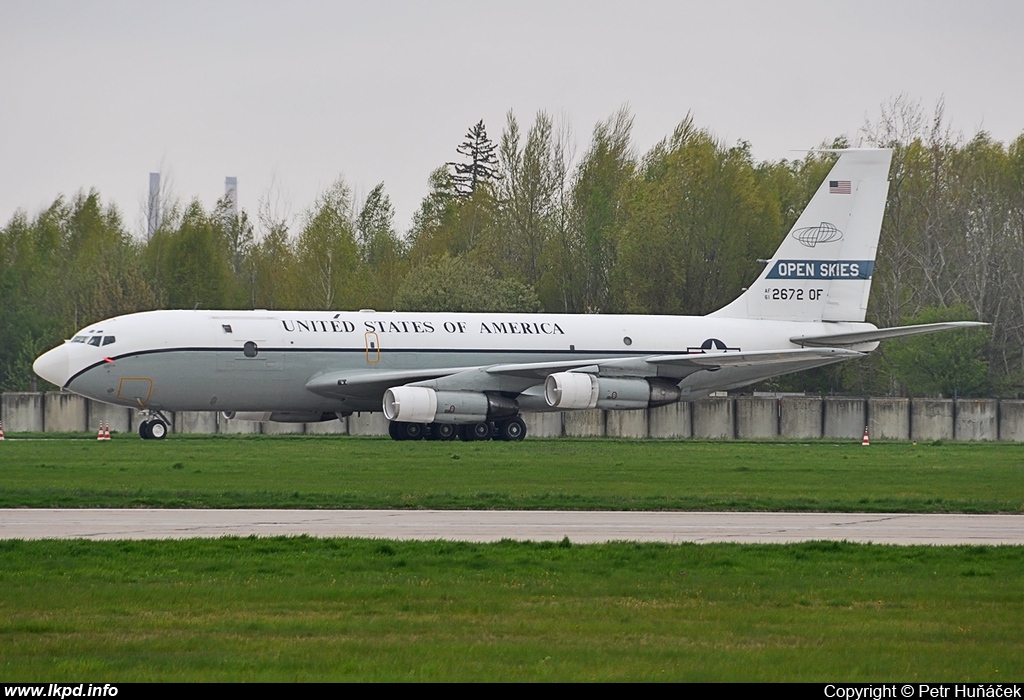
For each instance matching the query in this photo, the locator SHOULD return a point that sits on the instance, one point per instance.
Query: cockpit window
(95, 340)
(78, 339)
(108, 339)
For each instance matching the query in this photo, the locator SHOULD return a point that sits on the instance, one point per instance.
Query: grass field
(347, 472)
(341, 609)
(334, 609)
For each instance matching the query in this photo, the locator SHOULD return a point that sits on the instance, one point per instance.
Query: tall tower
(153, 213)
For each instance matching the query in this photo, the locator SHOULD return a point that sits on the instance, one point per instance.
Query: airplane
(471, 375)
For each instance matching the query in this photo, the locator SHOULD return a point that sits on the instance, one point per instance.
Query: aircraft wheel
(395, 430)
(157, 429)
(443, 431)
(512, 430)
(410, 431)
(144, 430)
(480, 431)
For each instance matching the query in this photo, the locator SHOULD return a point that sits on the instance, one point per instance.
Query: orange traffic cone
(106, 431)
(865, 442)
(99, 433)
(1, 431)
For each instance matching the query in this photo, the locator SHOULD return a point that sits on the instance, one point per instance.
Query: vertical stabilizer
(823, 269)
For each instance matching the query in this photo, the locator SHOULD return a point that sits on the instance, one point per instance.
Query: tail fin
(822, 271)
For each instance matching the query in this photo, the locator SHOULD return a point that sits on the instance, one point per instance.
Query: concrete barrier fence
(717, 418)
(889, 419)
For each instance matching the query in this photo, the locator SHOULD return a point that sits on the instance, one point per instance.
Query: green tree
(697, 220)
(380, 250)
(527, 200)
(327, 253)
(587, 254)
(191, 262)
(446, 283)
(948, 364)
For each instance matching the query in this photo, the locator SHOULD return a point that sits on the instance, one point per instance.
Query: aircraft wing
(515, 378)
(369, 384)
(845, 339)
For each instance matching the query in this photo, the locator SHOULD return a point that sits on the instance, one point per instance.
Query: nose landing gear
(153, 428)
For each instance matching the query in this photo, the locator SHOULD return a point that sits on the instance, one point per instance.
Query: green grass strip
(347, 472)
(303, 609)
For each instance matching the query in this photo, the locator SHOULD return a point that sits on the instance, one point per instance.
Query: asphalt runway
(489, 526)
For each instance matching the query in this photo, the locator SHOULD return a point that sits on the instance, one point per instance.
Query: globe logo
(822, 233)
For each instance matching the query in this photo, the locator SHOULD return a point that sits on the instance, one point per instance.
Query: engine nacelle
(571, 390)
(418, 404)
(578, 390)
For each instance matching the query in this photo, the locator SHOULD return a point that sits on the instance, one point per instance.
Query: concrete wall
(757, 417)
(845, 417)
(626, 424)
(232, 426)
(800, 418)
(338, 426)
(672, 421)
(889, 419)
(200, 422)
(274, 428)
(22, 412)
(715, 418)
(118, 418)
(368, 424)
(977, 419)
(583, 423)
(65, 413)
(1011, 421)
(931, 419)
(543, 425)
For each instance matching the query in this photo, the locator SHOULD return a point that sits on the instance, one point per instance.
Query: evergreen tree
(482, 165)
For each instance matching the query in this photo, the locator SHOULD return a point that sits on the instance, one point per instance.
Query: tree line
(524, 223)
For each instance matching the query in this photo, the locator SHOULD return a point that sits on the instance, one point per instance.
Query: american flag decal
(839, 187)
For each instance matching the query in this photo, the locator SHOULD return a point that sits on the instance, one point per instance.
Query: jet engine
(418, 404)
(574, 390)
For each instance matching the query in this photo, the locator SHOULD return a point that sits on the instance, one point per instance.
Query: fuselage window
(108, 339)
(95, 340)
(226, 327)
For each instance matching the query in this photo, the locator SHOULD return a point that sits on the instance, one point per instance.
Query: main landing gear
(153, 428)
(508, 429)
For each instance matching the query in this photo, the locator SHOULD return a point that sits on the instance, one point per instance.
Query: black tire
(395, 430)
(157, 429)
(443, 431)
(512, 430)
(411, 431)
(144, 430)
(480, 431)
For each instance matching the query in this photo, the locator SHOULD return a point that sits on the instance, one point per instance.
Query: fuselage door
(372, 347)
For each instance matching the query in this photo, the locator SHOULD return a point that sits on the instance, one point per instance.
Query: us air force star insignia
(822, 233)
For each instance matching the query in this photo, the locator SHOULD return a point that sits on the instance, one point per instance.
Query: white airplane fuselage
(197, 360)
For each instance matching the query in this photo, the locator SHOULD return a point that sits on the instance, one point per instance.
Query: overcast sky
(288, 96)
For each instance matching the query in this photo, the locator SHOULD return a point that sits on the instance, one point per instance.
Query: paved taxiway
(488, 526)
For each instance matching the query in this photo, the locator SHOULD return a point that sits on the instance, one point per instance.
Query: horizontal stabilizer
(839, 340)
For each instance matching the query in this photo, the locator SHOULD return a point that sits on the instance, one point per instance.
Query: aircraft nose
(53, 365)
